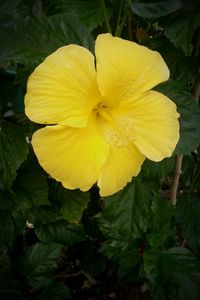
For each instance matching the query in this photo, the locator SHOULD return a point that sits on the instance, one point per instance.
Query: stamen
(120, 133)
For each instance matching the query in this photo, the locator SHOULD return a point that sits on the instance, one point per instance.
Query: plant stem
(130, 27)
(175, 181)
(119, 16)
(120, 27)
(105, 15)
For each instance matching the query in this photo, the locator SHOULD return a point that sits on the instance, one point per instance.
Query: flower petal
(73, 156)
(63, 88)
(156, 125)
(122, 164)
(124, 68)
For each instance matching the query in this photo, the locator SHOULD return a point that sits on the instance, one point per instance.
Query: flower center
(118, 130)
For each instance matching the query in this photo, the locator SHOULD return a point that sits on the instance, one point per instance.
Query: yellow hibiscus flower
(103, 118)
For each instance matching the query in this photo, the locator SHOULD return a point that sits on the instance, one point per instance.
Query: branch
(175, 181)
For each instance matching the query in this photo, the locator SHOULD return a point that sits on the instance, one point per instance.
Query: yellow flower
(103, 118)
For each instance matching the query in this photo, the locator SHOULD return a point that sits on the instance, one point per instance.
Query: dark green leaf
(92, 262)
(188, 215)
(72, 203)
(43, 215)
(31, 186)
(13, 151)
(162, 211)
(180, 29)
(88, 12)
(189, 115)
(159, 170)
(55, 291)
(38, 262)
(176, 268)
(126, 214)
(61, 232)
(8, 233)
(125, 254)
(38, 37)
(155, 9)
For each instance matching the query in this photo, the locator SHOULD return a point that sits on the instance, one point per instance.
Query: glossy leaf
(187, 215)
(13, 151)
(126, 255)
(126, 214)
(92, 261)
(31, 186)
(162, 212)
(88, 12)
(43, 215)
(61, 232)
(189, 115)
(180, 29)
(38, 262)
(71, 203)
(176, 269)
(155, 9)
(38, 37)
(158, 170)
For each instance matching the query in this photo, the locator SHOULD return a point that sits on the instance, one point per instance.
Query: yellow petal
(155, 122)
(125, 68)
(73, 156)
(122, 164)
(63, 88)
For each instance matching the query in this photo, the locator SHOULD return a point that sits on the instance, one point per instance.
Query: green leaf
(8, 233)
(125, 254)
(158, 170)
(189, 115)
(89, 12)
(180, 29)
(72, 203)
(55, 291)
(38, 262)
(91, 261)
(43, 215)
(155, 9)
(61, 232)
(31, 186)
(126, 214)
(13, 151)
(175, 268)
(187, 215)
(39, 37)
(162, 212)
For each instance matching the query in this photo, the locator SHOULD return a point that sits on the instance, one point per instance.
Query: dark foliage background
(137, 244)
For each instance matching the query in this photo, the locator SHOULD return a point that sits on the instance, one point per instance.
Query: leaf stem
(130, 27)
(105, 15)
(121, 25)
(119, 16)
